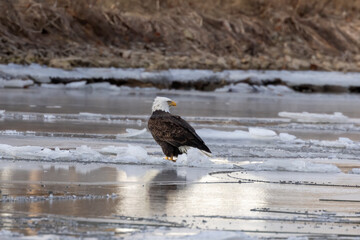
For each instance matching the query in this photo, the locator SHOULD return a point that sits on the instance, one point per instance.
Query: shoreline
(24, 76)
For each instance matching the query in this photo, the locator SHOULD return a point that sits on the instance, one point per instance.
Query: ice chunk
(262, 132)
(286, 137)
(54, 106)
(340, 143)
(194, 158)
(49, 117)
(337, 117)
(137, 153)
(355, 171)
(292, 165)
(15, 83)
(76, 85)
(90, 114)
(6, 234)
(258, 133)
(211, 133)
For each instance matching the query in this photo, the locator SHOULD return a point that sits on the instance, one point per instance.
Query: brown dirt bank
(161, 34)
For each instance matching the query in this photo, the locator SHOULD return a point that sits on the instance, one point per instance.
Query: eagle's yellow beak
(172, 103)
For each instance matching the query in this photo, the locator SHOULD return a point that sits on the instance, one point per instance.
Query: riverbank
(160, 35)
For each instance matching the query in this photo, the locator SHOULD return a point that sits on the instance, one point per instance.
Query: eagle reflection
(163, 188)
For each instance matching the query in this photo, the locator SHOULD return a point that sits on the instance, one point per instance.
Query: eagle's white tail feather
(206, 153)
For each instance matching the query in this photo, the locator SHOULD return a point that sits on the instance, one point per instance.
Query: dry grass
(41, 30)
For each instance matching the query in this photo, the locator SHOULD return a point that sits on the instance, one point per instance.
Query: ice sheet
(130, 154)
(187, 234)
(292, 165)
(336, 117)
(258, 133)
(15, 83)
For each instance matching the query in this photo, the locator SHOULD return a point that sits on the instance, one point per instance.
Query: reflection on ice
(291, 165)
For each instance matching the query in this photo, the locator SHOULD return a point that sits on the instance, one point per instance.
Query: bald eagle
(171, 132)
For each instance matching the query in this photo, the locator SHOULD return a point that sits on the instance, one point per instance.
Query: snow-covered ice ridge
(267, 159)
(130, 154)
(43, 74)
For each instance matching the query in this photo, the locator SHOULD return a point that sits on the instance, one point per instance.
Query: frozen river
(80, 163)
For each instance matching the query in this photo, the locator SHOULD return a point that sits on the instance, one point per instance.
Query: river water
(79, 163)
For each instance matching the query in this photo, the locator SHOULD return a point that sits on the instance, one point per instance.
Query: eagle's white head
(163, 104)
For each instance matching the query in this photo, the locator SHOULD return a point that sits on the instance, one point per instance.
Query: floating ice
(286, 137)
(194, 158)
(87, 114)
(5, 234)
(340, 143)
(337, 117)
(216, 134)
(15, 83)
(188, 234)
(355, 171)
(292, 165)
(318, 78)
(75, 85)
(49, 117)
(54, 106)
(131, 133)
(130, 154)
(262, 132)
(259, 133)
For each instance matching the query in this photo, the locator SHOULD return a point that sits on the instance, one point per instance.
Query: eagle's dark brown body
(172, 133)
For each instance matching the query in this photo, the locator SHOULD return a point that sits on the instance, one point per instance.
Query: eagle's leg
(170, 158)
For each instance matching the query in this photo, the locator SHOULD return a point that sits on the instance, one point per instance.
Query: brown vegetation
(160, 34)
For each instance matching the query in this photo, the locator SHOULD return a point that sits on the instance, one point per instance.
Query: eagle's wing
(175, 131)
